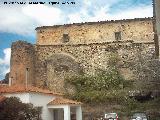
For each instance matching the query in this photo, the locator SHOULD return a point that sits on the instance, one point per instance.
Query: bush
(104, 86)
(13, 109)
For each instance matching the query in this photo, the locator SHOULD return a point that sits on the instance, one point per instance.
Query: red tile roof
(22, 89)
(62, 101)
(2, 98)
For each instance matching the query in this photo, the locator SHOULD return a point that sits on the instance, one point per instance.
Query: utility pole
(156, 39)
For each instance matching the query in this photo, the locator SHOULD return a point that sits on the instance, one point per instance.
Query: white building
(54, 106)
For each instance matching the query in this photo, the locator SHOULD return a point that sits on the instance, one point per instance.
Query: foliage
(6, 79)
(109, 88)
(113, 60)
(98, 97)
(102, 81)
(151, 107)
(13, 109)
(104, 86)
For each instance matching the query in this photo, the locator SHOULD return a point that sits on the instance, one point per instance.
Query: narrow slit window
(65, 38)
(117, 35)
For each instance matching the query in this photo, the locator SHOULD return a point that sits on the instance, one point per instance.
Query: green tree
(6, 79)
(13, 109)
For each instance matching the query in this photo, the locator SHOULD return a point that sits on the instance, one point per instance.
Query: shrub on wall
(104, 86)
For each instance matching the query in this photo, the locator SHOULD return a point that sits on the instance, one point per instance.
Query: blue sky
(18, 22)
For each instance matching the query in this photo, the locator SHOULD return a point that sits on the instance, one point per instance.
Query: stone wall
(22, 57)
(138, 30)
(67, 50)
(88, 58)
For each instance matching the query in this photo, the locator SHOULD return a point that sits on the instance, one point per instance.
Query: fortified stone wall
(67, 50)
(138, 30)
(88, 58)
(22, 57)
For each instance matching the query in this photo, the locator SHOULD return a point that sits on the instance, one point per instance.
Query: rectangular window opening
(65, 38)
(118, 36)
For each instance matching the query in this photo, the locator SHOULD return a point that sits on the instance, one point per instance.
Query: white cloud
(24, 19)
(14, 21)
(104, 14)
(6, 59)
(5, 62)
(44, 15)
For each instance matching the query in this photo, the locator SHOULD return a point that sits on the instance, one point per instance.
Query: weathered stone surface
(22, 57)
(138, 30)
(88, 49)
(59, 66)
(90, 57)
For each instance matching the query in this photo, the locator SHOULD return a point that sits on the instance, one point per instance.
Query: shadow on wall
(59, 66)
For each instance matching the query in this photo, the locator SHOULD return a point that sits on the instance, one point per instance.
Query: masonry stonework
(139, 30)
(67, 50)
(22, 57)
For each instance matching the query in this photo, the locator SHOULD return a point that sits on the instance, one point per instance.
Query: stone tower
(22, 63)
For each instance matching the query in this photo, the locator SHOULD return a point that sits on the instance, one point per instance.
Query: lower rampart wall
(90, 58)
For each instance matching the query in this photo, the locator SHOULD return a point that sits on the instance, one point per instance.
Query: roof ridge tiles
(22, 88)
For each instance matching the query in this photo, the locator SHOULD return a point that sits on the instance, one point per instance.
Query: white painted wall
(24, 97)
(42, 100)
(66, 109)
(37, 99)
(78, 113)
